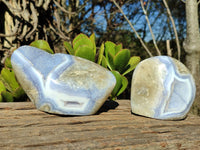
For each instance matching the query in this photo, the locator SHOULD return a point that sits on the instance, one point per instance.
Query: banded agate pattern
(62, 83)
(162, 88)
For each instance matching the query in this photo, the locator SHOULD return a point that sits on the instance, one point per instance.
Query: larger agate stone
(61, 83)
(162, 88)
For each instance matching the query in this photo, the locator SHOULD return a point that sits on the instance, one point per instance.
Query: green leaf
(118, 48)
(78, 37)
(110, 47)
(8, 78)
(69, 48)
(121, 59)
(85, 52)
(42, 44)
(19, 92)
(1, 98)
(101, 51)
(7, 96)
(8, 63)
(110, 61)
(110, 53)
(2, 87)
(124, 85)
(104, 62)
(133, 62)
(118, 82)
(81, 40)
(92, 38)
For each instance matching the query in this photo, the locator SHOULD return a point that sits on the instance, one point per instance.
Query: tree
(192, 47)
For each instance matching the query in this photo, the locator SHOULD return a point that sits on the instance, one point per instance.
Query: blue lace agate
(61, 83)
(162, 88)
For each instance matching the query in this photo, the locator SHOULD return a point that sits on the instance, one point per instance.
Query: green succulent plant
(42, 44)
(10, 90)
(2, 89)
(119, 61)
(82, 46)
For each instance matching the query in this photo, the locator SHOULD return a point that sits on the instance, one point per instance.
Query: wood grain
(113, 128)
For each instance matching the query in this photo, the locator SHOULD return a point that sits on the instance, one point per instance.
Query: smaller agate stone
(162, 88)
(61, 83)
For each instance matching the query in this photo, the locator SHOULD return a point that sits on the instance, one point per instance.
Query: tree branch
(38, 3)
(35, 20)
(62, 35)
(169, 50)
(174, 28)
(14, 31)
(63, 9)
(150, 29)
(12, 9)
(46, 4)
(138, 36)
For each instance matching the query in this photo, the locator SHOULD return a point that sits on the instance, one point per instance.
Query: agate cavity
(61, 83)
(162, 88)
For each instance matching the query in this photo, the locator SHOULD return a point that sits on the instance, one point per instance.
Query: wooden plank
(114, 127)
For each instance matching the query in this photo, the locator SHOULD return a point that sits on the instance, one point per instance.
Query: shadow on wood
(109, 104)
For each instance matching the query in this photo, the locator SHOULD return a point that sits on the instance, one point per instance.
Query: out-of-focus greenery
(10, 90)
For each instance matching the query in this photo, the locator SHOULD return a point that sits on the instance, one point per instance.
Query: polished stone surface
(61, 83)
(162, 88)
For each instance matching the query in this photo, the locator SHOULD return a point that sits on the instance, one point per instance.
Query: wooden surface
(114, 127)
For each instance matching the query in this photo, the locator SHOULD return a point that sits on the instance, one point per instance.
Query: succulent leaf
(82, 40)
(110, 58)
(104, 62)
(8, 78)
(118, 48)
(101, 51)
(92, 38)
(118, 82)
(78, 37)
(2, 88)
(85, 52)
(133, 62)
(121, 59)
(124, 85)
(1, 98)
(8, 63)
(18, 93)
(110, 47)
(69, 48)
(7, 96)
(42, 44)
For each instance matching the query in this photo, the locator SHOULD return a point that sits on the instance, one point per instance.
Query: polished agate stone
(61, 83)
(162, 88)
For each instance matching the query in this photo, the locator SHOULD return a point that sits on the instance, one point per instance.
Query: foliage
(110, 55)
(10, 90)
(42, 44)
(120, 62)
(83, 46)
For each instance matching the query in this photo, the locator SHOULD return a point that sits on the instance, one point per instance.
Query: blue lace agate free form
(162, 88)
(61, 83)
